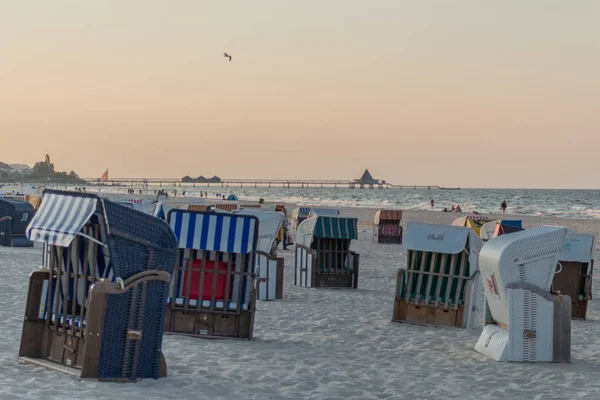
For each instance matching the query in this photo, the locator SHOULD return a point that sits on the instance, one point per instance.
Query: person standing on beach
(503, 206)
(432, 204)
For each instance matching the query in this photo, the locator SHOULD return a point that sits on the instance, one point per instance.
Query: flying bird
(227, 55)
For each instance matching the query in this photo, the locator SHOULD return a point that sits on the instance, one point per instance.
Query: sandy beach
(320, 344)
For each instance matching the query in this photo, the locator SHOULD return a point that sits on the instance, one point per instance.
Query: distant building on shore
(200, 179)
(366, 179)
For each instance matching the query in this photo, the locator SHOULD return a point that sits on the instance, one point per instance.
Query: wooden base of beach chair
(210, 325)
(68, 346)
(423, 315)
(574, 280)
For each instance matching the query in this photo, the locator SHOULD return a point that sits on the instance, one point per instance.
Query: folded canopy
(60, 218)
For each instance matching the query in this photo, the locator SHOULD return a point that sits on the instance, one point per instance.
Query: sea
(575, 204)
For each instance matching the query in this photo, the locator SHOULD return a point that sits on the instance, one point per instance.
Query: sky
(454, 93)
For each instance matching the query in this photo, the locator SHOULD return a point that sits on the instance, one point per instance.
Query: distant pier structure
(365, 181)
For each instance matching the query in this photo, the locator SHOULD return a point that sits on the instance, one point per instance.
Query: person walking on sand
(503, 206)
(432, 204)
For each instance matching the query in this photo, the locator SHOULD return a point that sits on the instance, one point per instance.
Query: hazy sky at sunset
(457, 93)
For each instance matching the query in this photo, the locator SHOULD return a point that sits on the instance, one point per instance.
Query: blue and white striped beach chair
(323, 255)
(213, 286)
(96, 308)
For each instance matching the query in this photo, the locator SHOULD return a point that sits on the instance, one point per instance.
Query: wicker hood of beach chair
(524, 321)
(97, 309)
(574, 273)
(322, 253)
(213, 287)
(440, 285)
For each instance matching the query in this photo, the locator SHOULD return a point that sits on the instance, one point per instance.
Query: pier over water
(285, 183)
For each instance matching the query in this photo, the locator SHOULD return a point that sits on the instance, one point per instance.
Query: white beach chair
(527, 322)
(440, 285)
(323, 255)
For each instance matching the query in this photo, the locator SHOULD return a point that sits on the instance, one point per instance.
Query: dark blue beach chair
(97, 307)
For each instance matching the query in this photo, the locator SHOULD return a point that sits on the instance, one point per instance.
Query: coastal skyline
(456, 94)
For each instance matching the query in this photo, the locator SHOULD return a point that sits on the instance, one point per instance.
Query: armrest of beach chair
(34, 314)
(305, 264)
(123, 319)
(353, 264)
(588, 281)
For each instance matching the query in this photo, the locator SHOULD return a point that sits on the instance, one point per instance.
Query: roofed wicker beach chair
(97, 309)
(15, 215)
(387, 227)
(197, 207)
(575, 269)
(440, 285)
(269, 267)
(323, 255)
(525, 322)
(474, 222)
(491, 229)
(251, 206)
(227, 206)
(299, 214)
(213, 288)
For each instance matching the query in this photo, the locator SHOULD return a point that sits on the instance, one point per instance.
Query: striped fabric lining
(214, 232)
(60, 218)
(103, 271)
(243, 298)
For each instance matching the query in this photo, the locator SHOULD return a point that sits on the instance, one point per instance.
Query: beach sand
(320, 344)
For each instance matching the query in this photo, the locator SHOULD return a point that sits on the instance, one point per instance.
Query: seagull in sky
(227, 55)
